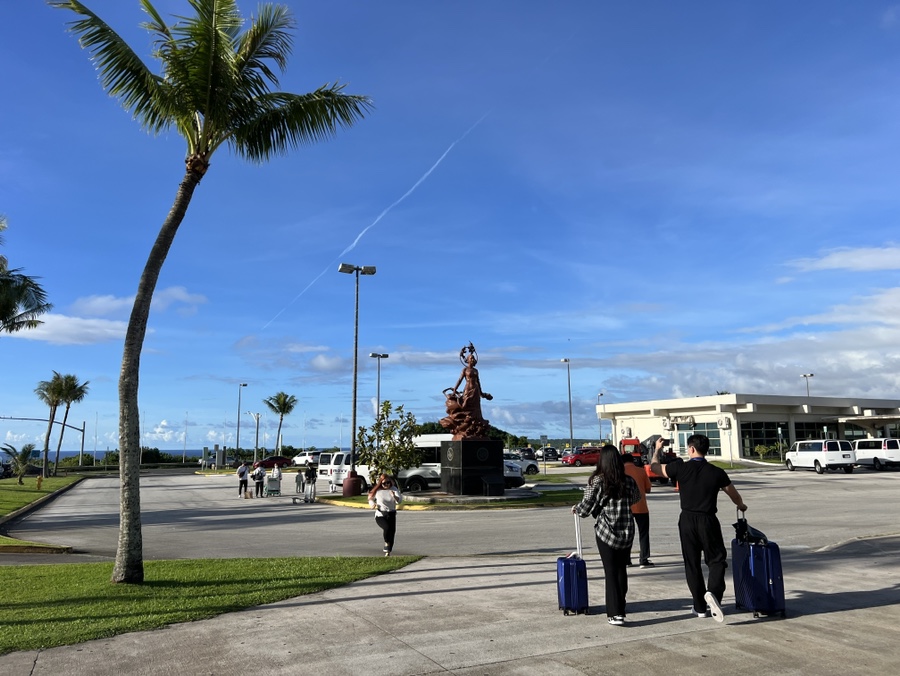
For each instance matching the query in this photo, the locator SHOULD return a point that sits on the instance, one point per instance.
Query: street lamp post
(237, 443)
(352, 483)
(256, 445)
(379, 356)
(600, 418)
(569, 381)
(807, 376)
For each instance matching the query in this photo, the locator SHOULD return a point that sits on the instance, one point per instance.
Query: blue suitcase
(758, 578)
(571, 579)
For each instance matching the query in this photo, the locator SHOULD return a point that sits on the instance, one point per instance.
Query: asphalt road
(202, 517)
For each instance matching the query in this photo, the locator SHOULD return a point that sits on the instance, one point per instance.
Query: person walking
(300, 479)
(641, 511)
(309, 480)
(259, 476)
(609, 496)
(242, 474)
(384, 498)
(699, 483)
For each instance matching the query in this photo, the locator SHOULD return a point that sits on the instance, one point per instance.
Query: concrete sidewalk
(498, 615)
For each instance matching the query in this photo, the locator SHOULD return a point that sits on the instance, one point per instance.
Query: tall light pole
(256, 445)
(807, 376)
(353, 486)
(600, 418)
(379, 356)
(569, 380)
(237, 443)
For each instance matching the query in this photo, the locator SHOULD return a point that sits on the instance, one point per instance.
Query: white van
(877, 453)
(821, 454)
(413, 479)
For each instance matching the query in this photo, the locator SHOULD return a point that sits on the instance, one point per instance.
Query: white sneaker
(714, 607)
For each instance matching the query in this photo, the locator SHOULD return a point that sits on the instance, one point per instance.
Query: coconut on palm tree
(22, 300)
(18, 459)
(71, 392)
(281, 404)
(214, 88)
(51, 393)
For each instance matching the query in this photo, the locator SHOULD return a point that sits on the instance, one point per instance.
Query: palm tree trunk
(46, 468)
(129, 566)
(62, 431)
(278, 435)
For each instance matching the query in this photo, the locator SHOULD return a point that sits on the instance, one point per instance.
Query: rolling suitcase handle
(578, 552)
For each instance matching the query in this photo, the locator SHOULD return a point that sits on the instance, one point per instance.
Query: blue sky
(678, 197)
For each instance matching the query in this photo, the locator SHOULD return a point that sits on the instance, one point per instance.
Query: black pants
(642, 522)
(388, 523)
(242, 486)
(702, 534)
(259, 487)
(615, 573)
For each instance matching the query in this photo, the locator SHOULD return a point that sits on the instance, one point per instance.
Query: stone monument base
(472, 467)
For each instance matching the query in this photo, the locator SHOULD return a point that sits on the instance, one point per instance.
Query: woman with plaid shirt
(609, 496)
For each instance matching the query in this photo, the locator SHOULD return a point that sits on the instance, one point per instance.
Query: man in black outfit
(699, 484)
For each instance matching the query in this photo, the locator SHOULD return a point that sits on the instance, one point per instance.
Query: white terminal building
(737, 423)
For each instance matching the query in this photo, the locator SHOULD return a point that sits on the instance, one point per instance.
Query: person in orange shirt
(640, 510)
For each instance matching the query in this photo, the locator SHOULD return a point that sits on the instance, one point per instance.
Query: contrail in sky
(380, 216)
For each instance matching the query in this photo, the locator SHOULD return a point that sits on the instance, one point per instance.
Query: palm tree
(19, 459)
(71, 392)
(51, 393)
(22, 300)
(281, 404)
(214, 89)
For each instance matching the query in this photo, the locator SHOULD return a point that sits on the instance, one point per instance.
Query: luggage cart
(273, 486)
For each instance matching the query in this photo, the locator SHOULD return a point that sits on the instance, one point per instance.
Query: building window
(764, 433)
(711, 430)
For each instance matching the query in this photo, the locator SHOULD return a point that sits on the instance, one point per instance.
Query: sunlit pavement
(490, 606)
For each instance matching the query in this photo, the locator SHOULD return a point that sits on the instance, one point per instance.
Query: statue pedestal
(472, 467)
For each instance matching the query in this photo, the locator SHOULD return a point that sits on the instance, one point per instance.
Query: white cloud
(327, 364)
(63, 330)
(102, 306)
(108, 305)
(857, 260)
(881, 308)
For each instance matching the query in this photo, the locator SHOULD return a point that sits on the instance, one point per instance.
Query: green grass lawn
(52, 605)
(13, 496)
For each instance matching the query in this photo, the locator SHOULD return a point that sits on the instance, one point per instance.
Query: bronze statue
(464, 418)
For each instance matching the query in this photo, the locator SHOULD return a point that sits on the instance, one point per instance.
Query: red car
(273, 460)
(586, 455)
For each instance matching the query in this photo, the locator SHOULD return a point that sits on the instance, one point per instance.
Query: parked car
(526, 453)
(273, 460)
(312, 456)
(821, 454)
(585, 455)
(548, 453)
(528, 466)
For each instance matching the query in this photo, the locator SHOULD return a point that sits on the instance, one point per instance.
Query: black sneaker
(616, 621)
(629, 564)
(647, 564)
(697, 613)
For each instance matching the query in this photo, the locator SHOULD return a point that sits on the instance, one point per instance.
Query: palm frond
(22, 301)
(267, 39)
(285, 121)
(122, 73)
